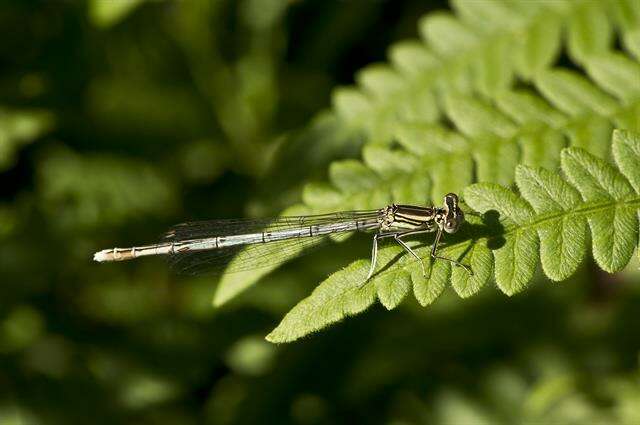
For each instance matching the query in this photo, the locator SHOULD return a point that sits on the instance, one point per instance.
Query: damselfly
(204, 246)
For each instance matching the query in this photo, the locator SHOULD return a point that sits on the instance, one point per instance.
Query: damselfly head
(454, 217)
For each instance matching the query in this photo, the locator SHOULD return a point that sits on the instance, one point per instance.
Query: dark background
(115, 126)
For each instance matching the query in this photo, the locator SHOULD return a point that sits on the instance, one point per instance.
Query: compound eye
(450, 226)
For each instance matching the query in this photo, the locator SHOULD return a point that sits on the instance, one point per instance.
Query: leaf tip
(511, 291)
(280, 335)
(619, 134)
(219, 299)
(274, 338)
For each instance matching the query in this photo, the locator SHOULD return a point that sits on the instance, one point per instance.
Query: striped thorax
(410, 217)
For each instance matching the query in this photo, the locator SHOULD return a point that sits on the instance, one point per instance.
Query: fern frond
(524, 126)
(546, 222)
(521, 128)
(484, 49)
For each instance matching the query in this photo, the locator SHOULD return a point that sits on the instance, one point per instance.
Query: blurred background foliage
(119, 118)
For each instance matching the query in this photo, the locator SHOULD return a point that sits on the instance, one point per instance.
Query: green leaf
(495, 72)
(412, 58)
(392, 287)
(627, 14)
(495, 159)
(484, 197)
(562, 238)
(614, 229)
(351, 105)
(486, 14)
(626, 151)
(448, 173)
(352, 176)
(427, 289)
(617, 74)
(475, 118)
(380, 81)
(447, 34)
(540, 46)
(527, 108)
(337, 297)
(592, 133)
(614, 236)
(573, 94)
(480, 261)
(232, 284)
(589, 31)
(321, 195)
(386, 162)
(632, 42)
(595, 179)
(546, 222)
(360, 186)
(488, 127)
(541, 148)
(443, 159)
(468, 62)
(411, 190)
(516, 259)
(479, 52)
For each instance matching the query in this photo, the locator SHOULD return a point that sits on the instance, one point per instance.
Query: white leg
(374, 253)
(374, 257)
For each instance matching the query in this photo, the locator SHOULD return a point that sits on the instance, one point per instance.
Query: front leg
(398, 237)
(434, 254)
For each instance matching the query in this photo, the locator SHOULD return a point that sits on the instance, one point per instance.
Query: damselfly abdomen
(208, 246)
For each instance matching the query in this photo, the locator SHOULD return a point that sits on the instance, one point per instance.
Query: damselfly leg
(374, 253)
(434, 255)
(398, 238)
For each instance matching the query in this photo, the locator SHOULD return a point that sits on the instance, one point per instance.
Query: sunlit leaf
(546, 223)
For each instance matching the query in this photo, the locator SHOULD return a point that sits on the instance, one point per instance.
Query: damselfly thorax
(233, 245)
